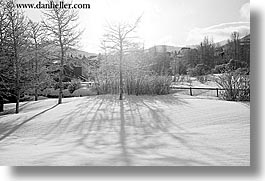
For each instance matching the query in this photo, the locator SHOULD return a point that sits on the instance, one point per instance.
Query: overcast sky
(170, 22)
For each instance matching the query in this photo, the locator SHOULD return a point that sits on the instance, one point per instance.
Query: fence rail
(205, 88)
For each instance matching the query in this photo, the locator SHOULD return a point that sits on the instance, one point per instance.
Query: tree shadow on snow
(135, 119)
(6, 129)
(134, 127)
(13, 110)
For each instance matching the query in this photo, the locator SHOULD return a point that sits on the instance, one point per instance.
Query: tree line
(143, 68)
(27, 46)
(210, 57)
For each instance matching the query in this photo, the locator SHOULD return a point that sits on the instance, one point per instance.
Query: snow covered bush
(232, 65)
(66, 93)
(46, 92)
(55, 93)
(137, 85)
(200, 69)
(148, 84)
(108, 86)
(236, 85)
(202, 79)
(74, 85)
(84, 92)
(219, 69)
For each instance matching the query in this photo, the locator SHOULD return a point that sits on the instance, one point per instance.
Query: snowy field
(140, 130)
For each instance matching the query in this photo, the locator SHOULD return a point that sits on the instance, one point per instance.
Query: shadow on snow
(131, 122)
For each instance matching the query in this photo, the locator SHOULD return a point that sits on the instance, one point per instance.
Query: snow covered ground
(140, 130)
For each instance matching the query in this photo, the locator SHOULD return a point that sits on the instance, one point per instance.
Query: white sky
(171, 22)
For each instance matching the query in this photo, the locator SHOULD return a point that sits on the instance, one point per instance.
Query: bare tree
(235, 39)
(61, 28)
(118, 37)
(18, 44)
(206, 52)
(36, 35)
(3, 46)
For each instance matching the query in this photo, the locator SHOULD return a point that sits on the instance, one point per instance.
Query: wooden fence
(216, 90)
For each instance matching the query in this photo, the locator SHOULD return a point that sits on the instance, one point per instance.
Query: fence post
(217, 92)
(190, 91)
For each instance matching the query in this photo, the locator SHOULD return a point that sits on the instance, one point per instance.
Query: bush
(66, 93)
(55, 93)
(46, 92)
(65, 85)
(202, 79)
(74, 85)
(26, 98)
(232, 65)
(138, 85)
(236, 85)
(84, 92)
(150, 85)
(200, 69)
(235, 64)
(219, 69)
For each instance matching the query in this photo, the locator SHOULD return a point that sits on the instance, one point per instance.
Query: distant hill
(80, 53)
(71, 52)
(219, 44)
(163, 48)
(192, 46)
(224, 42)
(168, 48)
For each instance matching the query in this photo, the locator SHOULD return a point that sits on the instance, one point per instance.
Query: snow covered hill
(140, 130)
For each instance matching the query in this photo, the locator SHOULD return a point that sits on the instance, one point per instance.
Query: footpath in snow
(140, 130)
